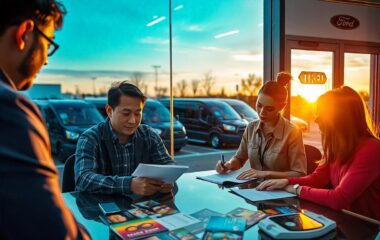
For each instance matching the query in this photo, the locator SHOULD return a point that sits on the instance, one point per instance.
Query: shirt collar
(115, 138)
(113, 133)
(278, 131)
(6, 79)
(280, 128)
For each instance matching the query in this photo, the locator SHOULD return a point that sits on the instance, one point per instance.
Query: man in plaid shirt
(108, 153)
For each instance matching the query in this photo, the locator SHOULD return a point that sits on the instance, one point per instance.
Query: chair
(312, 155)
(68, 181)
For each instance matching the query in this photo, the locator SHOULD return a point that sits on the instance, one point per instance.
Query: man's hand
(166, 188)
(252, 174)
(147, 186)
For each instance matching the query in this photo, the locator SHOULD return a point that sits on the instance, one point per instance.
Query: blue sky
(109, 40)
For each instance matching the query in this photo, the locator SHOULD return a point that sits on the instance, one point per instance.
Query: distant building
(44, 91)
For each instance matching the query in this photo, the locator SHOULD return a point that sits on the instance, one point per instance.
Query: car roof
(104, 100)
(202, 100)
(231, 100)
(63, 102)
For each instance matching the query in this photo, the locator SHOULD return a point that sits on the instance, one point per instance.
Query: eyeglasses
(53, 46)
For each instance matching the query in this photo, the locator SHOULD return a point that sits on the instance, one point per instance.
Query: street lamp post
(156, 67)
(93, 86)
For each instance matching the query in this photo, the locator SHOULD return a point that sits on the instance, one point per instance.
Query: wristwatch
(296, 186)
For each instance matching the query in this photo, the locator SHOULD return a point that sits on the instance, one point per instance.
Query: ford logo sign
(345, 22)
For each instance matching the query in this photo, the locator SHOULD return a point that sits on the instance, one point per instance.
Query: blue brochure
(225, 228)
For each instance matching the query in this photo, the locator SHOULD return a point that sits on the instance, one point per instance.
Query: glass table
(193, 195)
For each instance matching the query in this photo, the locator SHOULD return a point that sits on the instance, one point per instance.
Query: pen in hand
(222, 161)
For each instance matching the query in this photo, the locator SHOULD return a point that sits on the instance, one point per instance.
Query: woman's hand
(273, 184)
(252, 174)
(228, 166)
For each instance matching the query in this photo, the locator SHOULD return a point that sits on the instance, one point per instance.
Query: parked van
(248, 113)
(66, 120)
(242, 108)
(209, 120)
(156, 116)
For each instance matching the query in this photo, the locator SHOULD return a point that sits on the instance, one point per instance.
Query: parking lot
(202, 157)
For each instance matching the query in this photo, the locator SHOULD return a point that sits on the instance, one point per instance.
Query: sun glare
(311, 95)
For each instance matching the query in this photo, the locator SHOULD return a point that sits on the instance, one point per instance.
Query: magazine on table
(225, 228)
(252, 217)
(152, 209)
(203, 216)
(137, 228)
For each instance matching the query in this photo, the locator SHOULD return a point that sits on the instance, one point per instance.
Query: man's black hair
(123, 88)
(13, 12)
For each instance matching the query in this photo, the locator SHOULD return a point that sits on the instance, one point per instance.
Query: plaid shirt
(103, 165)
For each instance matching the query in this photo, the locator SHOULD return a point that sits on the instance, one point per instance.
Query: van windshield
(78, 115)
(224, 112)
(244, 110)
(155, 112)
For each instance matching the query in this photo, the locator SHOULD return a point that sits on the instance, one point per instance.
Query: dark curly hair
(13, 12)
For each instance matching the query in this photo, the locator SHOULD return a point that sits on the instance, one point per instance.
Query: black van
(156, 116)
(66, 120)
(209, 121)
(242, 108)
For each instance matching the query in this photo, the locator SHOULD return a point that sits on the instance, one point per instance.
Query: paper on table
(254, 195)
(177, 221)
(227, 178)
(166, 173)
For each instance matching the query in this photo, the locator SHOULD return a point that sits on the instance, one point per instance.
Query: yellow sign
(312, 77)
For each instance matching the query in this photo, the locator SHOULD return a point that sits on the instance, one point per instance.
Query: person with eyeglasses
(273, 145)
(29, 184)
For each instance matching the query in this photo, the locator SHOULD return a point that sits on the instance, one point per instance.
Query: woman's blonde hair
(344, 121)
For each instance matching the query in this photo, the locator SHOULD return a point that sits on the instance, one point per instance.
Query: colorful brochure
(252, 217)
(179, 234)
(152, 209)
(119, 217)
(204, 216)
(225, 228)
(138, 228)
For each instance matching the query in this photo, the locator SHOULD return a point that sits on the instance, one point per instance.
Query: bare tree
(181, 88)
(208, 82)
(161, 91)
(251, 85)
(137, 80)
(223, 92)
(77, 90)
(194, 86)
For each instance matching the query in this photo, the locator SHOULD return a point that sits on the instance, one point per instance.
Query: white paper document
(227, 178)
(166, 173)
(176, 221)
(254, 195)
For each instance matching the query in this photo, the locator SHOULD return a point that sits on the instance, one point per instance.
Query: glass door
(357, 71)
(312, 73)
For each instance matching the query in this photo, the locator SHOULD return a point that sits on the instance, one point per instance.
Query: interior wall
(312, 18)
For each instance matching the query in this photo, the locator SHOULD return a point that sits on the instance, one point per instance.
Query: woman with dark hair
(351, 163)
(272, 144)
